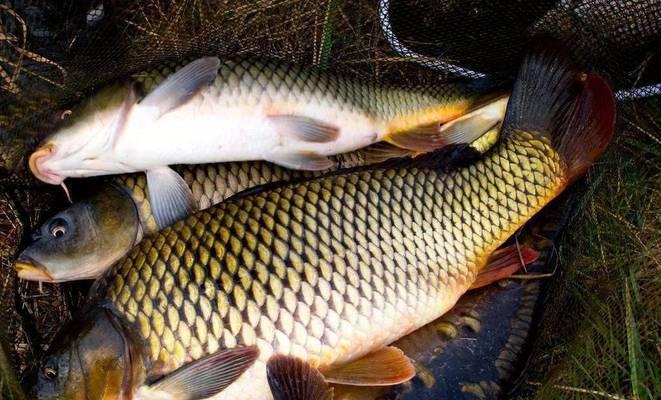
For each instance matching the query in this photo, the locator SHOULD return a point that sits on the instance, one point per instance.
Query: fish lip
(30, 270)
(37, 158)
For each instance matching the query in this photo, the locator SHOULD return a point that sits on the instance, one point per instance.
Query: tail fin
(576, 110)
(589, 128)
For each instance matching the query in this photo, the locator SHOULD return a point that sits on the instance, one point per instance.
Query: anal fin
(304, 128)
(385, 367)
(470, 127)
(170, 197)
(504, 262)
(207, 376)
(291, 378)
(383, 151)
(464, 129)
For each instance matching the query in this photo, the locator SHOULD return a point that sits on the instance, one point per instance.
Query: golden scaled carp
(214, 110)
(305, 284)
(83, 241)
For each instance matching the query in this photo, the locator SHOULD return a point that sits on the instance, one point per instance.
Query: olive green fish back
(249, 81)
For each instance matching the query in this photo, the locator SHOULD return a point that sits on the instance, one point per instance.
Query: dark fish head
(82, 241)
(92, 358)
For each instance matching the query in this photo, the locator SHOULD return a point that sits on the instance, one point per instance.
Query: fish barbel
(214, 110)
(313, 280)
(83, 241)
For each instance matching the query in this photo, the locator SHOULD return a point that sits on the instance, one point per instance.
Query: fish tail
(576, 110)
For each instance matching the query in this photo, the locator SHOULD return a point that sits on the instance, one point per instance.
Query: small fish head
(83, 145)
(82, 241)
(92, 358)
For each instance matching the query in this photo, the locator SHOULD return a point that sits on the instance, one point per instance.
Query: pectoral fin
(179, 87)
(304, 160)
(504, 262)
(388, 366)
(291, 378)
(169, 195)
(207, 376)
(304, 128)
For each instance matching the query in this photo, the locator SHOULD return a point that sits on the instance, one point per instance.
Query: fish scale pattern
(250, 82)
(332, 268)
(212, 183)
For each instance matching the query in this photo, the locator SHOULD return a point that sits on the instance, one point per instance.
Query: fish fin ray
(503, 263)
(475, 124)
(422, 138)
(385, 367)
(170, 197)
(291, 378)
(383, 151)
(304, 160)
(209, 375)
(179, 87)
(304, 128)
(574, 109)
(465, 129)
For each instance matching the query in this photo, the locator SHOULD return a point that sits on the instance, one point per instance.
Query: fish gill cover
(53, 54)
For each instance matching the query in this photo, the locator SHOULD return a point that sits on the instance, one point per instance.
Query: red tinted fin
(504, 262)
(575, 110)
(589, 128)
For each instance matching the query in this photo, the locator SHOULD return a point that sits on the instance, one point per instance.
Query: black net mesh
(53, 53)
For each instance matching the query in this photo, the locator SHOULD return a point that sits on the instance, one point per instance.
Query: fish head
(83, 241)
(92, 358)
(83, 145)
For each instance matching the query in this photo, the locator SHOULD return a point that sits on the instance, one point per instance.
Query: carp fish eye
(49, 373)
(58, 227)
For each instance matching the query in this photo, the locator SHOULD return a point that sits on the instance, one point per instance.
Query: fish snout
(29, 270)
(39, 170)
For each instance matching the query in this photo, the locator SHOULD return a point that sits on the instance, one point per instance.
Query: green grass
(601, 336)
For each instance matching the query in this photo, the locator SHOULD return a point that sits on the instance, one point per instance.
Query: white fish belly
(411, 312)
(204, 132)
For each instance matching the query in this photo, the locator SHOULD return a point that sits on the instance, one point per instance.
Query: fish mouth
(36, 165)
(30, 270)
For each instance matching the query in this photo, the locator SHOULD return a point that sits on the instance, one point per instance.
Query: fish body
(219, 111)
(338, 268)
(333, 269)
(84, 240)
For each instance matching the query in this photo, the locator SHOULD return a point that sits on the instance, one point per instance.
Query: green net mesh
(53, 53)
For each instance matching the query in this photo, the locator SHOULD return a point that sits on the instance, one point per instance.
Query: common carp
(214, 110)
(84, 240)
(313, 280)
